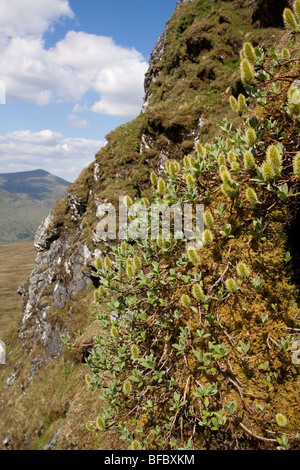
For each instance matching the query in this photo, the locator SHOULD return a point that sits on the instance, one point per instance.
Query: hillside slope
(26, 198)
(17, 261)
(193, 71)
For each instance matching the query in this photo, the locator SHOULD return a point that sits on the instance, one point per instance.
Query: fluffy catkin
(296, 165)
(250, 136)
(251, 196)
(249, 52)
(249, 161)
(247, 72)
(289, 20)
(296, 8)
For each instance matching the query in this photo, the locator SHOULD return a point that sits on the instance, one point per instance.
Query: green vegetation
(194, 78)
(209, 374)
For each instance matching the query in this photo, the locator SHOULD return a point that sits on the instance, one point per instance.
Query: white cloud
(78, 67)
(77, 64)
(45, 137)
(74, 121)
(31, 17)
(118, 86)
(66, 157)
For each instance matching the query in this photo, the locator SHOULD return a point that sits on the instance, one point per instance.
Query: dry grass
(17, 262)
(57, 397)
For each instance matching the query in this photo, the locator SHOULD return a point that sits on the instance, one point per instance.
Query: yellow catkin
(221, 159)
(102, 291)
(296, 8)
(242, 270)
(135, 353)
(251, 196)
(227, 190)
(161, 187)
(249, 52)
(207, 237)
(190, 180)
(136, 445)
(233, 103)
(153, 179)
(249, 161)
(230, 285)
(107, 263)
(247, 72)
(209, 220)
(296, 165)
(289, 20)
(281, 420)
(231, 156)
(137, 263)
(229, 143)
(186, 162)
(197, 292)
(98, 263)
(114, 332)
(100, 423)
(128, 201)
(234, 166)
(185, 301)
(251, 136)
(242, 105)
(200, 150)
(193, 257)
(268, 172)
(96, 296)
(274, 156)
(127, 387)
(225, 176)
(130, 269)
(285, 53)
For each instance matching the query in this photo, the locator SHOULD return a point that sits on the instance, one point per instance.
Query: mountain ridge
(26, 198)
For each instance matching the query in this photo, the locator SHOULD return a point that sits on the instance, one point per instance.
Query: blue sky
(73, 70)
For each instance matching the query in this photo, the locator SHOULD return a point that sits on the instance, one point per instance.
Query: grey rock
(147, 143)
(44, 237)
(23, 293)
(77, 206)
(8, 442)
(162, 159)
(58, 275)
(2, 353)
(53, 443)
(106, 227)
(11, 380)
(155, 57)
(67, 279)
(96, 172)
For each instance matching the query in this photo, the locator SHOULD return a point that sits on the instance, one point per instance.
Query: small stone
(2, 353)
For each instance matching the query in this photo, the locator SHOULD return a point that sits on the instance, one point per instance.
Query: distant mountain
(26, 198)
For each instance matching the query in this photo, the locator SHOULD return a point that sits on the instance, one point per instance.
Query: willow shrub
(186, 358)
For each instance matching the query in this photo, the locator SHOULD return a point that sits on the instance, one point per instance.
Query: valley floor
(17, 262)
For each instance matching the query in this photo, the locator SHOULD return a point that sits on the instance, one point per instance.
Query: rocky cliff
(192, 71)
(66, 242)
